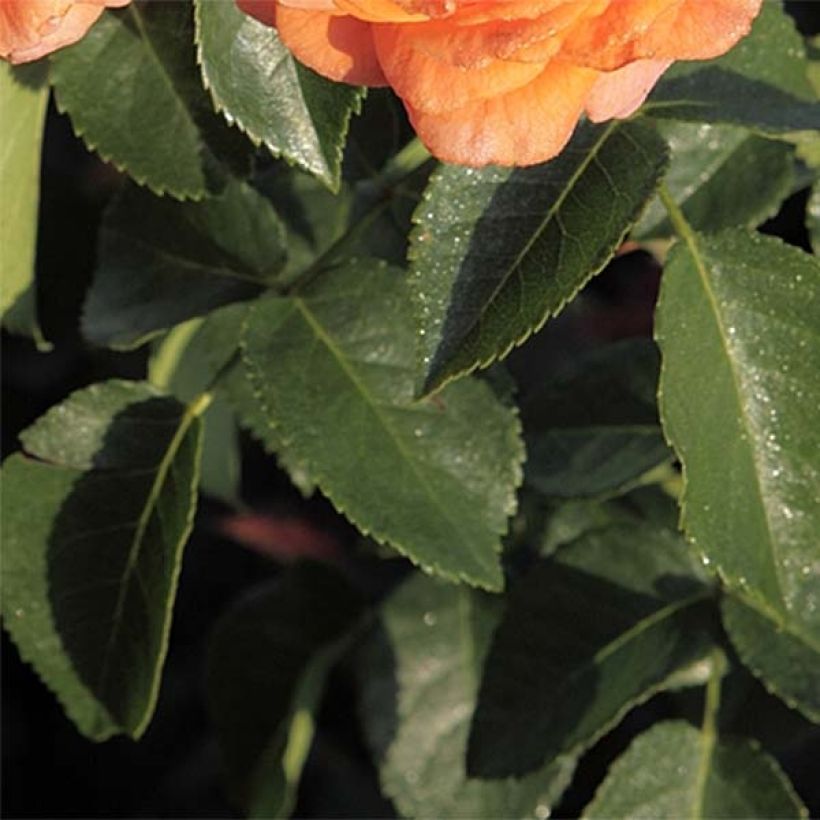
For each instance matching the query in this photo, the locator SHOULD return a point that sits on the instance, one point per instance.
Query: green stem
(166, 359)
(709, 731)
(395, 173)
(676, 216)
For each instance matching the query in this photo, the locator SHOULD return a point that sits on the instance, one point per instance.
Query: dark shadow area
(529, 707)
(717, 88)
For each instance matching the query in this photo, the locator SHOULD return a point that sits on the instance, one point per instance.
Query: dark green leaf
(23, 102)
(314, 217)
(722, 177)
(787, 661)
(218, 338)
(333, 369)
(593, 462)
(267, 663)
(585, 637)
(674, 771)
(497, 251)
(593, 428)
(761, 83)
(181, 365)
(737, 325)
(258, 85)
(95, 516)
(420, 681)
(162, 262)
(133, 92)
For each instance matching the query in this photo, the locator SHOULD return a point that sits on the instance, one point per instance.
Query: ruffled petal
(475, 46)
(618, 94)
(340, 48)
(701, 30)
(522, 127)
(379, 11)
(431, 85)
(610, 39)
(659, 30)
(30, 29)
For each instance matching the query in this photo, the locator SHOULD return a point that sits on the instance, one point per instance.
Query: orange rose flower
(29, 29)
(505, 81)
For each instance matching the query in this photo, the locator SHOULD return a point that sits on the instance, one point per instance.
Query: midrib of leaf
(780, 623)
(551, 214)
(687, 235)
(642, 626)
(192, 411)
(361, 389)
(468, 653)
(136, 15)
(181, 261)
(637, 429)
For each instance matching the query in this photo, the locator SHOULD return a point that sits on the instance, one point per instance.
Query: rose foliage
(565, 556)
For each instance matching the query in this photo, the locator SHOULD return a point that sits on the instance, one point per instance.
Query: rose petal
(522, 127)
(30, 29)
(474, 46)
(428, 84)
(618, 94)
(701, 30)
(340, 48)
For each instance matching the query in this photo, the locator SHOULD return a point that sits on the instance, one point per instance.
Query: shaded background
(49, 770)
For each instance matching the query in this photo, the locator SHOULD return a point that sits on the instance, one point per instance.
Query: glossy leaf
(762, 83)
(95, 516)
(23, 102)
(737, 324)
(260, 87)
(786, 660)
(673, 771)
(162, 262)
(420, 680)
(497, 251)
(722, 177)
(267, 663)
(333, 369)
(593, 428)
(133, 92)
(584, 638)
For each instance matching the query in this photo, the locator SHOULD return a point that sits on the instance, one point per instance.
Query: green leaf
(180, 364)
(218, 339)
(674, 771)
(722, 177)
(584, 638)
(762, 83)
(23, 102)
(421, 674)
(737, 323)
(786, 660)
(267, 663)
(95, 515)
(593, 428)
(497, 251)
(161, 262)
(260, 87)
(333, 369)
(314, 218)
(133, 92)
